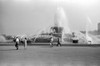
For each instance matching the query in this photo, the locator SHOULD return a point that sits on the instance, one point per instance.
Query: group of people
(58, 42)
(17, 41)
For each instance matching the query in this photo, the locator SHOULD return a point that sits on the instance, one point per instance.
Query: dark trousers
(58, 44)
(16, 45)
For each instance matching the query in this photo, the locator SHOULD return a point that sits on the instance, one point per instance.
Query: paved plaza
(50, 56)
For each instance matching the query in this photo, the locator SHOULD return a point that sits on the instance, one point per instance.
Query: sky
(31, 16)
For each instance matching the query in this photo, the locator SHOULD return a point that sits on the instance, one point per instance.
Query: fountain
(62, 21)
(62, 30)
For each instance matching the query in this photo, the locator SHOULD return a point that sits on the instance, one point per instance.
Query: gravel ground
(50, 56)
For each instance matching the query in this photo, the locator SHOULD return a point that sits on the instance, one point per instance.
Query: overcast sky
(30, 16)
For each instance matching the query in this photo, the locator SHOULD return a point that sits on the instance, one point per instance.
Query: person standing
(51, 42)
(58, 42)
(25, 43)
(17, 43)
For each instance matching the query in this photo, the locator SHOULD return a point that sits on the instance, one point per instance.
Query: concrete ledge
(47, 44)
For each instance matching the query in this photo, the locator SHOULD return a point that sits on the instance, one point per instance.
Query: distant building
(99, 28)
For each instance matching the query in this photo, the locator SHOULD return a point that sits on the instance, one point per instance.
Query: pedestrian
(58, 42)
(25, 43)
(14, 39)
(17, 43)
(51, 42)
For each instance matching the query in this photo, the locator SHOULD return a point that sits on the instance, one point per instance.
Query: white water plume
(61, 20)
(88, 27)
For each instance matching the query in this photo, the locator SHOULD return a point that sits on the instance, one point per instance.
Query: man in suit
(17, 43)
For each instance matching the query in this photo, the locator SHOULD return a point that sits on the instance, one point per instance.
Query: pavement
(47, 44)
(45, 55)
